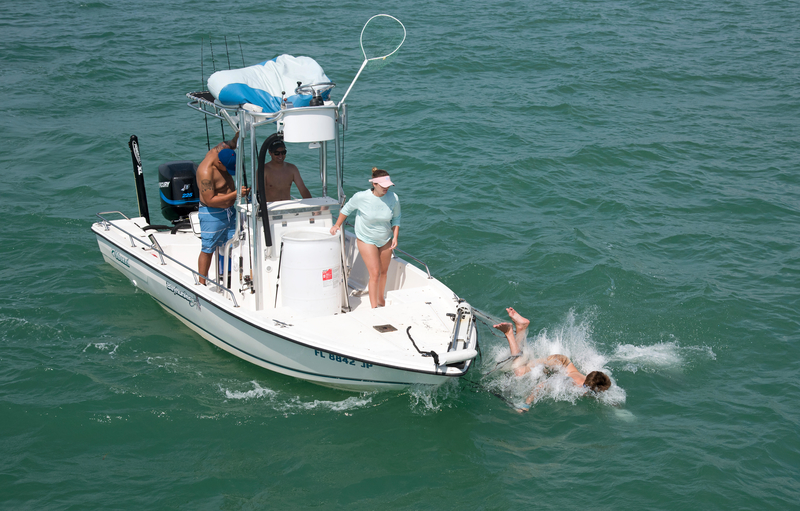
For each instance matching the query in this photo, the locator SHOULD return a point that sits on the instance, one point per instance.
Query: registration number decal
(339, 358)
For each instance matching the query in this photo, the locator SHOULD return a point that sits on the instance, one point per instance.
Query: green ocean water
(624, 173)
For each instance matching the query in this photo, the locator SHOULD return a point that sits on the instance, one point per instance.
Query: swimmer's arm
(530, 399)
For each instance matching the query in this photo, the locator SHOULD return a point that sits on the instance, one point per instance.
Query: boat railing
(427, 270)
(201, 100)
(107, 224)
(417, 260)
(205, 103)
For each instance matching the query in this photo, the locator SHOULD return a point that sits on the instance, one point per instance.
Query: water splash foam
(572, 338)
(427, 399)
(664, 356)
(257, 392)
(291, 405)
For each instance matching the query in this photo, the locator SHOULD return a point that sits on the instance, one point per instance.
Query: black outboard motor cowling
(178, 189)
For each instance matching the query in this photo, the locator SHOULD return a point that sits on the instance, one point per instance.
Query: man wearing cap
(279, 175)
(217, 195)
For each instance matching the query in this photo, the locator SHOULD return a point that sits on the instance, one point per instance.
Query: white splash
(257, 392)
(291, 405)
(572, 338)
(102, 346)
(664, 356)
(624, 415)
(351, 403)
(427, 399)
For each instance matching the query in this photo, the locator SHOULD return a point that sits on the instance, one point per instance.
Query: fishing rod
(244, 180)
(480, 388)
(244, 171)
(483, 317)
(227, 54)
(202, 87)
(214, 64)
(240, 49)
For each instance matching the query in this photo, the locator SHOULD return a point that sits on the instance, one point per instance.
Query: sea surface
(623, 173)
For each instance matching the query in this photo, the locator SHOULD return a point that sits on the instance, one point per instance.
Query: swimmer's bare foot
(503, 327)
(519, 321)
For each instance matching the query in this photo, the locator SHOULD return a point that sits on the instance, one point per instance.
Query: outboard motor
(178, 189)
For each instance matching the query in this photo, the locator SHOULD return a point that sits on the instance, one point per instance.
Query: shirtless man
(596, 380)
(217, 195)
(280, 175)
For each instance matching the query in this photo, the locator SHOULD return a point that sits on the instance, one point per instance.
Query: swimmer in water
(596, 381)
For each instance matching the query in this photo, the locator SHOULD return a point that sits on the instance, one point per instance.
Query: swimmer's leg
(521, 324)
(520, 365)
(512, 342)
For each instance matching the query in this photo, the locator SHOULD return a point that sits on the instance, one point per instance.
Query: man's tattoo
(207, 185)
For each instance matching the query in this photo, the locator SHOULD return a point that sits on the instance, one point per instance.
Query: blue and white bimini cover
(263, 83)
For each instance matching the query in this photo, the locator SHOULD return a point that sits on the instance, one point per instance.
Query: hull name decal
(177, 291)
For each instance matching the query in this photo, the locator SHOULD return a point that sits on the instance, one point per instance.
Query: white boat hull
(262, 339)
(290, 297)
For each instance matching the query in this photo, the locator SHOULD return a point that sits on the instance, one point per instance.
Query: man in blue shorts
(217, 195)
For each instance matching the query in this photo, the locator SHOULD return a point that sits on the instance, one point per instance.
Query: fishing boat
(284, 293)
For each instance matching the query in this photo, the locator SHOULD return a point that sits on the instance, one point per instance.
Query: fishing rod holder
(150, 246)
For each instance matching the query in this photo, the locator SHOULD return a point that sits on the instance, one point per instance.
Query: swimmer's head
(597, 381)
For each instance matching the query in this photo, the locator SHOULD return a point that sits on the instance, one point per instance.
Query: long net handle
(363, 65)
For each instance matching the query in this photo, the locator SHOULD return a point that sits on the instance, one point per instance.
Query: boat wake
(664, 356)
(257, 392)
(111, 348)
(426, 400)
(294, 405)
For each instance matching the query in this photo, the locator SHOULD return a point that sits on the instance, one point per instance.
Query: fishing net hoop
(385, 41)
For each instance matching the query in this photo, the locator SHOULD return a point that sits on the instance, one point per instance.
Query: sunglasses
(279, 153)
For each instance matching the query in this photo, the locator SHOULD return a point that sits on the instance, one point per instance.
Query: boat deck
(379, 335)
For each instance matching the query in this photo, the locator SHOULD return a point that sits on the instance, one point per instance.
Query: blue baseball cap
(228, 158)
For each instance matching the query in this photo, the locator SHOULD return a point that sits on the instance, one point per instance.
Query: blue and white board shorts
(217, 225)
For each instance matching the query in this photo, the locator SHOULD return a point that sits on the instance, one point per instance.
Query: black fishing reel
(315, 90)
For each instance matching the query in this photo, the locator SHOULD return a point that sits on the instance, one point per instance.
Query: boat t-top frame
(315, 125)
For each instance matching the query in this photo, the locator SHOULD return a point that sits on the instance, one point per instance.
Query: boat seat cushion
(263, 84)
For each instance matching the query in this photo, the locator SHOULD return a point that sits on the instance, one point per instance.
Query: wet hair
(597, 381)
(376, 172)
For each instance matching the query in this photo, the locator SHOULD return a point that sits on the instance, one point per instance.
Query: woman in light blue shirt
(377, 225)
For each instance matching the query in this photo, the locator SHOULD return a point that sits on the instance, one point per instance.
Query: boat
(283, 293)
